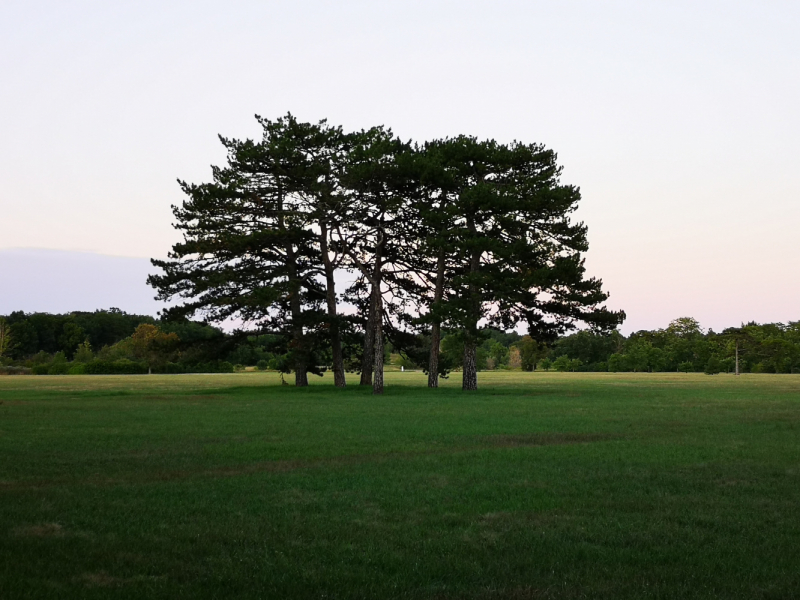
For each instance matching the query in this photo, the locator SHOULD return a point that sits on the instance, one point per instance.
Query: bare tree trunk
(377, 384)
(470, 373)
(368, 358)
(333, 322)
(374, 321)
(436, 334)
(433, 362)
(298, 343)
(295, 306)
(469, 379)
(301, 373)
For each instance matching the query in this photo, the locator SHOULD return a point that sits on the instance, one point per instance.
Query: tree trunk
(301, 374)
(333, 321)
(368, 358)
(469, 379)
(295, 306)
(374, 321)
(436, 334)
(377, 348)
(470, 373)
(298, 343)
(433, 362)
(300, 363)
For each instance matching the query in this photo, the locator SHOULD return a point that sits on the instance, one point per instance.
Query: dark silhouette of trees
(456, 234)
(514, 254)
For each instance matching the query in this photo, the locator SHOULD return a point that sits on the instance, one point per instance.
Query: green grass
(537, 486)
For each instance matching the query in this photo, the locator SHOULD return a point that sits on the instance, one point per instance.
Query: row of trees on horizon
(454, 235)
(115, 342)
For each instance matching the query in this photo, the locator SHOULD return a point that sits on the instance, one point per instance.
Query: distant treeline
(114, 342)
(105, 341)
(684, 346)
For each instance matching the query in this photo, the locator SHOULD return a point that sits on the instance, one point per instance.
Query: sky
(677, 119)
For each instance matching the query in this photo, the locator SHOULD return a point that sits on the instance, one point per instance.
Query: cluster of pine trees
(450, 235)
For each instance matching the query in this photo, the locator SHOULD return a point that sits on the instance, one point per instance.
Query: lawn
(540, 485)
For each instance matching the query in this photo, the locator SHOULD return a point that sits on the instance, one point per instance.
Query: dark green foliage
(713, 366)
(587, 346)
(530, 352)
(25, 334)
(107, 327)
(684, 347)
(200, 349)
(249, 250)
(48, 333)
(119, 367)
(58, 368)
(769, 348)
(129, 367)
(441, 236)
(512, 253)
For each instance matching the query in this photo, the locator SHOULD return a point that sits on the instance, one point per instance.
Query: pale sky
(679, 121)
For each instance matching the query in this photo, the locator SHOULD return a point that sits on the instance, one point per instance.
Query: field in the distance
(537, 486)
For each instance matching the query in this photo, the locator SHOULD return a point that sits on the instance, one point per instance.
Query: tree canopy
(449, 235)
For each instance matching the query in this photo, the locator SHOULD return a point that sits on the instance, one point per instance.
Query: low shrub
(712, 366)
(561, 363)
(125, 367)
(221, 366)
(58, 368)
(9, 370)
(117, 367)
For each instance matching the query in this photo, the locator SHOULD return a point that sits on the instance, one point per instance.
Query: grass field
(537, 486)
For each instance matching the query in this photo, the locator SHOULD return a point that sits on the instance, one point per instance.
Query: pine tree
(518, 257)
(378, 181)
(248, 251)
